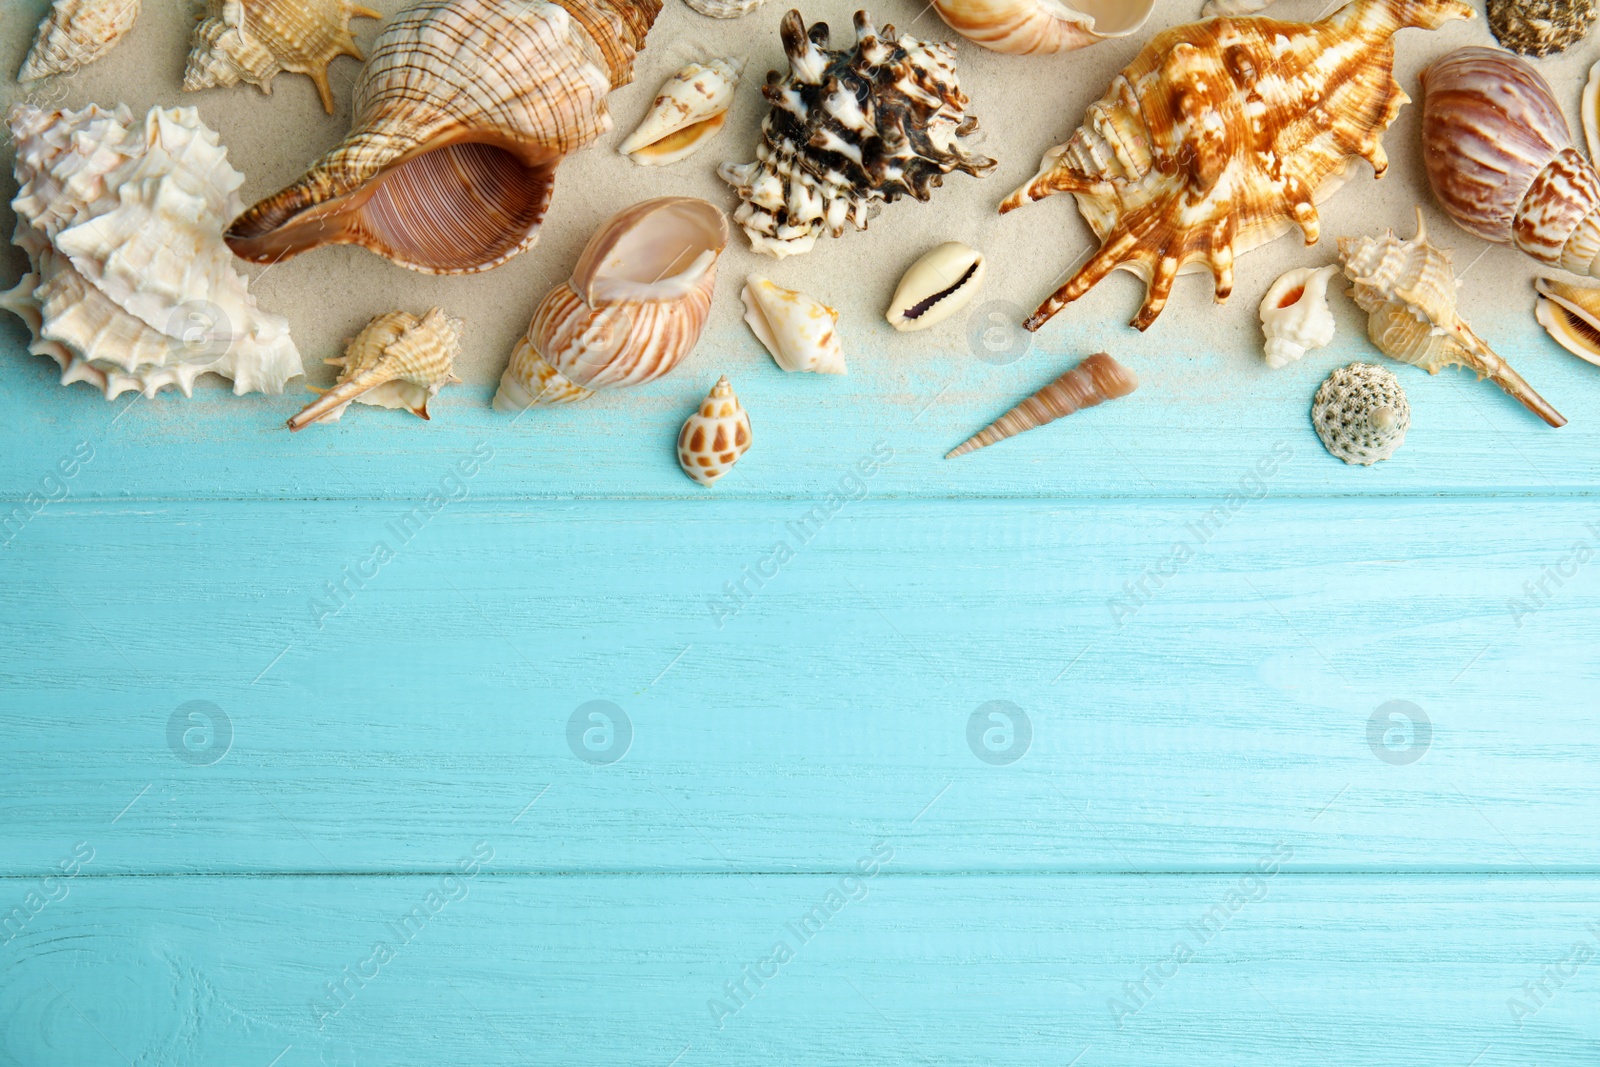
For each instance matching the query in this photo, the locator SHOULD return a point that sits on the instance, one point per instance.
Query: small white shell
(76, 33)
(724, 9)
(1360, 413)
(937, 286)
(688, 111)
(715, 436)
(799, 331)
(1590, 110)
(1295, 315)
(1232, 7)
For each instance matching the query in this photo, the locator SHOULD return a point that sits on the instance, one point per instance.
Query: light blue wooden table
(981, 768)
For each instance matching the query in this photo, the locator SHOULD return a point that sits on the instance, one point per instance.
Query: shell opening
(1292, 297)
(1113, 18)
(922, 307)
(656, 250)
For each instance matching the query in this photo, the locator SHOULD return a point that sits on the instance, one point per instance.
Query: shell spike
(1097, 379)
(807, 60)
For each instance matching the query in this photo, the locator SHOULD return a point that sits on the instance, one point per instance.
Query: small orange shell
(714, 437)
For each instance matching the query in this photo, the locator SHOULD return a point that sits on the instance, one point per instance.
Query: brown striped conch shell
(1408, 290)
(1223, 135)
(688, 111)
(1501, 161)
(1025, 27)
(1295, 315)
(801, 333)
(463, 113)
(1094, 381)
(634, 307)
(76, 33)
(398, 361)
(255, 40)
(1570, 314)
(715, 436)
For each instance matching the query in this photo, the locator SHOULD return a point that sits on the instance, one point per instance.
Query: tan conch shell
(76, 33)
(1408, 290)
(1097, 379)
(1295, 315)
(724, 9)
(1361, 414)
(714, 437)
(801, 333)
(1024, 27)
(131, 286)
(398, 361)
(254, 40)
(688, 111)
(935, 287)
(1570, 314)
(634, 307)
(1223, 135)
(463, 113)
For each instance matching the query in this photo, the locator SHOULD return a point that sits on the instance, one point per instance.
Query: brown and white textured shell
(1540, 27)
(1500, 159)
(1223, 135)
(689, 109)
(255, 40)
(1361, 414)
(1408, 289)
(76, 33)
(715, 436)
(397, 361)
(1570, 314)
(463, 111)
(1094, 381)
(849, 130)
(633, 309)
(1025, 27)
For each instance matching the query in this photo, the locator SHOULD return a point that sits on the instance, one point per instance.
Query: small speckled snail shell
(715, 436)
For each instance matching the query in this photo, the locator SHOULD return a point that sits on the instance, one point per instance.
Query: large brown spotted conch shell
(255, 40)
(1023, 27)
(1223, 135)
(463, 113)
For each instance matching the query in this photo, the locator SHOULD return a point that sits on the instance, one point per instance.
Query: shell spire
(1097, 379)
(255, 40)
(398, 361)
(76, 33)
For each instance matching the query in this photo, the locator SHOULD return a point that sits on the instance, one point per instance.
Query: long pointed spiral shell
(1097, 379)
(254, 40)
(398, 361)
(1026, 27)
(76, 33)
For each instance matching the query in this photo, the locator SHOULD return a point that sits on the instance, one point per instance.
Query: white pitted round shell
(1360, 413)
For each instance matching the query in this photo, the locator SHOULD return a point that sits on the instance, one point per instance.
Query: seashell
(847, 130)
(1232, 7)
(463, 112)
(255, 40)
(714, 437)
(1024, 27)
(1295, 315)
(724, 9)
(801, 333)
(1570, 314)
(634, 307)
(1360, 413)
(1500, 159)
(1097, 379)
(398, 361)
(1590, 109)
(1540, 27)
(131, 286)
(1408, 289)
(936, 286)
(1223, 135)
(688, 111)
(76, 33)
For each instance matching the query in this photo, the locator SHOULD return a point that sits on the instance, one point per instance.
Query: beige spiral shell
(255, 40)
(463, 112)
(1025, 27)
(714, 437)
(1094, 381)
(398, 361)
(76, 33)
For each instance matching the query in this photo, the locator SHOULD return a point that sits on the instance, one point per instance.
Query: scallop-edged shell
(1025, 27)
(255, 40)
(688, 111)
(631, 312)
(1570, 314)
(849, 130)
(801, 332)
(131, 286)
(397, 361)
(1408, 289)
(1540, 27)
(463, 113)
(715, 436)
(76, 33)
(724, 9)
(935, 287)
(1223, 135)
(1094, 381)
(1361, 414)
(1294, 314)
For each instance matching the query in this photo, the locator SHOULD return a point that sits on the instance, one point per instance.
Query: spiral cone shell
(716, 436)
(464, 111)
(688, 111)
(1025, 27)
(398, 361)
(1097, 379)
(76, 33)
(255, 40)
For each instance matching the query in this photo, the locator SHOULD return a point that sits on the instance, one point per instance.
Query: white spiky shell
(800, 332)
(76, 33)
(132, 286)
(255, 40)
(715, 436)
(397, 361)
(688, 111)
(1295, 316)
